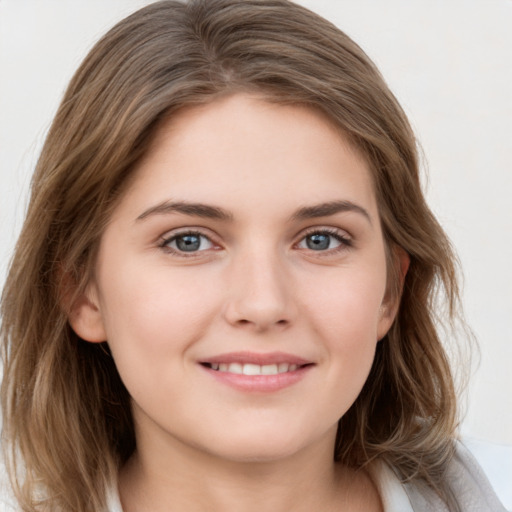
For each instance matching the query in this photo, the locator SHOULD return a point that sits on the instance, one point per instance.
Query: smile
(257, 372)
(253, 369)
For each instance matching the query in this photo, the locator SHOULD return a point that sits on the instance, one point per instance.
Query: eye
(188, 242)
(324, 240)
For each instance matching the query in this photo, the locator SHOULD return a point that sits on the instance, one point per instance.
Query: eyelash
(164, 244)
(344, 240)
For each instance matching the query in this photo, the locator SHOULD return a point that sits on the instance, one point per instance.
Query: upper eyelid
(194, 230)
(332, 230)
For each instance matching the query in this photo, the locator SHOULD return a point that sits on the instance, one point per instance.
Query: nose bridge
(260, 288)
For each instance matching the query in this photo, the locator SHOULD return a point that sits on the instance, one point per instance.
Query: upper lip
(256, 358)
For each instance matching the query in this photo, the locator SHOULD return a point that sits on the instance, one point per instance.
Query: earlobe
(386, 318)
(404, 260)
(85, 317)
(389, 307)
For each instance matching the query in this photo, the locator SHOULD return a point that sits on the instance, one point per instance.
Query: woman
(222, 296)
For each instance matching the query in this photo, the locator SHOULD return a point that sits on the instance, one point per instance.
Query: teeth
(269, 369)
(283, 367)
(235, 368)
(248, 369)
(254, 369)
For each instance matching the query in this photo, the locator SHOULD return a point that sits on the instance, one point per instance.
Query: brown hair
(67, 420)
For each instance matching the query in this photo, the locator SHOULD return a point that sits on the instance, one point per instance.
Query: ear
(85, 316)
(391, 302)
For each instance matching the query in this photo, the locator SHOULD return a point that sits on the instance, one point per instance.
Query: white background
(448, 61)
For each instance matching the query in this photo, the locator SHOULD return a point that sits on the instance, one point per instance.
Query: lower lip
(259, 383)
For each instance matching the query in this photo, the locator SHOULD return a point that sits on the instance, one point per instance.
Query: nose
(260, 293)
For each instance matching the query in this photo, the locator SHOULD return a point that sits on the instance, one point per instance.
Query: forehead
(249, 152)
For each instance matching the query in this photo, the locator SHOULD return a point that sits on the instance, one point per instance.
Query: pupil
(318, 242)
(188, 243)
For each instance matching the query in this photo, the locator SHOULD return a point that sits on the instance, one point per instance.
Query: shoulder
(469, 486)
(467, 481)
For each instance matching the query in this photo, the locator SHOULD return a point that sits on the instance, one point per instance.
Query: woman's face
(241, 282)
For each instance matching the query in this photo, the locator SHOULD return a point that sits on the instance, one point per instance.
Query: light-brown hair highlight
(67, 420)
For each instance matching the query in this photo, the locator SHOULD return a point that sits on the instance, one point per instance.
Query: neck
(182, 478)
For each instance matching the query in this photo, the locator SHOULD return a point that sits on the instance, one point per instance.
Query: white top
(392, 493)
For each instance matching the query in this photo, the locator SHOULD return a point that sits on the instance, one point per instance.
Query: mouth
(256, 372)
(254, 369)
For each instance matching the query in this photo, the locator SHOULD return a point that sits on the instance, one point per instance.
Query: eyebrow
(214, 212)
(193, 209)
(330, 208)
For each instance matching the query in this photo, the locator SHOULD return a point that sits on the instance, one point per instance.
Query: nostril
(244, 321)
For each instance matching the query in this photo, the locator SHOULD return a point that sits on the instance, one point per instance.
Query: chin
(258, 453)
(269, 445)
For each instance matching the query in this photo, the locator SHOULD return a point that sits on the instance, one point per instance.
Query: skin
(254, 284)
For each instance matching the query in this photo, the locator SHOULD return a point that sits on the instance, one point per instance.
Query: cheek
(152, 311)
(347, 306)
(151, 320)
(347, 319)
